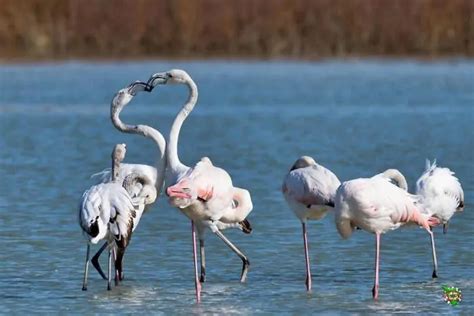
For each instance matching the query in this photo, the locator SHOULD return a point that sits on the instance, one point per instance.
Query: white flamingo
(147, 180)
(442, 194)
(309, 190)
(204, 193)
(107, 213)
(376, 205)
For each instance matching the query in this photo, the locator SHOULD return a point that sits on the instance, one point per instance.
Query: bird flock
(111, 210)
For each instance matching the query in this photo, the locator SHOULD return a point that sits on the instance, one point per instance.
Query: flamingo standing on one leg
(377, 206)
(147, 181)
(442, 194)
(204, 193)
(107, 212)
(309, 190)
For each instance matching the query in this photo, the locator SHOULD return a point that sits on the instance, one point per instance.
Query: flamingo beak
(138, 86)
(158, 78)
(176, 192)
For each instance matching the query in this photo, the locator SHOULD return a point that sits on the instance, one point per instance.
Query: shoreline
(218, 58)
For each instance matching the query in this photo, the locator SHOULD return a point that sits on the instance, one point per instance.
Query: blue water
(254, 119)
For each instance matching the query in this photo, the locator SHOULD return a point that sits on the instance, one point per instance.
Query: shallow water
(254, 119)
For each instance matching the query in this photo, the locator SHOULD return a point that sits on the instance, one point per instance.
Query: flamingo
(147, 180)
(377, 205)
(442, 194)
(107, 213)
(309, 189)
(204, 193)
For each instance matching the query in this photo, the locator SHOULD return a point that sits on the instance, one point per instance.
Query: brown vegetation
(239, 28)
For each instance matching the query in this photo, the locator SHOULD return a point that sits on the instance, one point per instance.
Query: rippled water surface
(254, 119)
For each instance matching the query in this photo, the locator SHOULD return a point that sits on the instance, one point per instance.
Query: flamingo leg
(245, 260)
(119, 253)
(86, 268)
(203, 260)
(375, 290)
(306, 255)
(197, 283)
(433, 251)
(445, 227)
(109, 271)
(95, 261)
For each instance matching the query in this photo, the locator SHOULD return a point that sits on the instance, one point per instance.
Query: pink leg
(306, 255)
(375, 290)
(196, 280)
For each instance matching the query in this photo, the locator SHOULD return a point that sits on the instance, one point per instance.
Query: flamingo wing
(441, 191)
(314, 185)
(376, 205)
(140, 189)
(123, 215)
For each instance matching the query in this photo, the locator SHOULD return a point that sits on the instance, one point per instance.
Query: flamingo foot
(435, 274)
(198, 290)
(308, 283)
(375, 292)
(117, 278)
(245, 269)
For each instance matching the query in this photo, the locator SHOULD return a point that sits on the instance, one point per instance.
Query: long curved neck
(172, 152)
(146, 131)
(241, 207)
(397, 177)
(115, 169)
(160, 142)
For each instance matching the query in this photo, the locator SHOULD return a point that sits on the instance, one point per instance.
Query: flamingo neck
(172, 152)
(146, 131)
(397, 177)
(242, 203)
(160, 142)
(115, 169)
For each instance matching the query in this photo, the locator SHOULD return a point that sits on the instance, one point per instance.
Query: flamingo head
(121, 98)
(150, 194)
(94, 228)
(182, 194)
(303, 162)
(119, 152)
(124, 96)
(174, 76)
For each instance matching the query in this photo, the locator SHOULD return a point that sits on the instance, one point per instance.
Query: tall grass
(238, 28)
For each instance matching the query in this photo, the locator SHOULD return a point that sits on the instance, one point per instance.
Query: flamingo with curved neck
(147, 181)
(120, 100)
(204, 193)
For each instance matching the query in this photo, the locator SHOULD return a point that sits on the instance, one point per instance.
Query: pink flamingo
(377, 206)
(204, 193)
(309, 190)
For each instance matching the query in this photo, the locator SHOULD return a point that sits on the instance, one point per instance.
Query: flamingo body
(440, 192)
(107, 212)
(204, 193)
(309, 189)
(375, 205)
